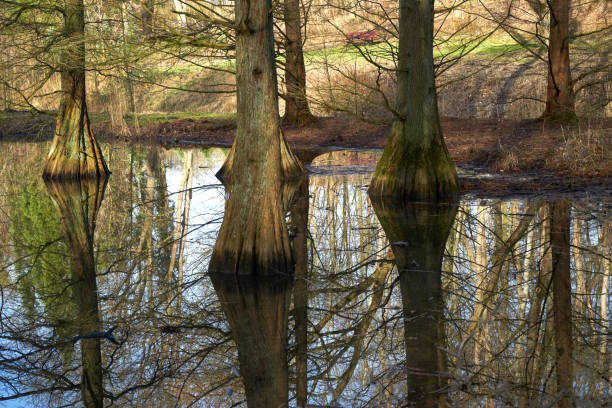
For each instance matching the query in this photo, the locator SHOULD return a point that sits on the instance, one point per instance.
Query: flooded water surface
(107, 298)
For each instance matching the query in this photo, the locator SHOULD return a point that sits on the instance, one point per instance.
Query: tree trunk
(560, 90)
(297, 111)
(74, 153)
(562, 299)
(418, 233)
(415, 162)
(77, 203)
(146, 16)
(258, 134)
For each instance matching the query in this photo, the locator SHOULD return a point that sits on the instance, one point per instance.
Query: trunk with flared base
(77, 203)
(415, 162)
(418, 234)
(560, 91)
(258, 134)
(74, 153)
(297, 111)
(251, 269)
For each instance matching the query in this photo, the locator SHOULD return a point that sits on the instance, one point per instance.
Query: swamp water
(482, 302)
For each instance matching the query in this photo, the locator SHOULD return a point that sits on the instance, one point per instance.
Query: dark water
(476, 303)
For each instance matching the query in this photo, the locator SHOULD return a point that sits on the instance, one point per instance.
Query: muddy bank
(579, 150)
(526, 154)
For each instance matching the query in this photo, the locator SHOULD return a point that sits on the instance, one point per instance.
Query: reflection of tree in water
(77, 204)
(498, 266)
(418, 233)
(253, 277)
(257, 311)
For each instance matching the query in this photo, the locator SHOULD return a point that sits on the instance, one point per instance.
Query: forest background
(165, 70)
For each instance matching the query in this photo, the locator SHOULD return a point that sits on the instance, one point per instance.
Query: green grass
(380, 51)
(145, 119)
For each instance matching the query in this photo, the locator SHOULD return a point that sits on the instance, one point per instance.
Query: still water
(479, 302)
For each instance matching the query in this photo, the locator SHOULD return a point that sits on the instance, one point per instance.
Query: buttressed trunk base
(75, 153)
(415, 163)
(409, 170)
(259, 142)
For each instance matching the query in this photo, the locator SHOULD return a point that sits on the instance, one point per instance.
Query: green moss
(153, 118)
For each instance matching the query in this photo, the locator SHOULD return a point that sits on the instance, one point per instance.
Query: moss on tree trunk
(258, 133)
(415, 163)
(560, 90)
(74, 153)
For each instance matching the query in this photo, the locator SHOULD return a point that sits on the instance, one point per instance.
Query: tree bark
(415, 163)
(146, 16)
(297, 111)
(258, 134)
(560, 90)
(562, 299)
(75, 153)
(77, 203)
(418, 234)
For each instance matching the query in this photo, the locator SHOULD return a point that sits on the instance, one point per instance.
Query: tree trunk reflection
(418, 233)
(77, 204)
(299, 244)
(562, 302)
(253, 275)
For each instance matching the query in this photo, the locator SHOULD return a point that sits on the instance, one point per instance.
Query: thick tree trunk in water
(297, 111)
(77, 203)
(258, 134)
(560, 90)
(74, 153)
(562, 299)
(418, 234)
(415, 163)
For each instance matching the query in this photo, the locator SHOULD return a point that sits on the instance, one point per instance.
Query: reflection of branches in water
(512, 270)
(355, 326)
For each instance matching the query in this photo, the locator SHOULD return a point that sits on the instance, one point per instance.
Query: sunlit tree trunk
(180, 8)
(415, 162)
(258, 134)
(296, 105)
(77, 204)
(560, 90)
(418, 233)
(74, 153)
(562, 300)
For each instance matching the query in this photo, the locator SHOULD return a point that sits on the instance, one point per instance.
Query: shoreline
(505, 156)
